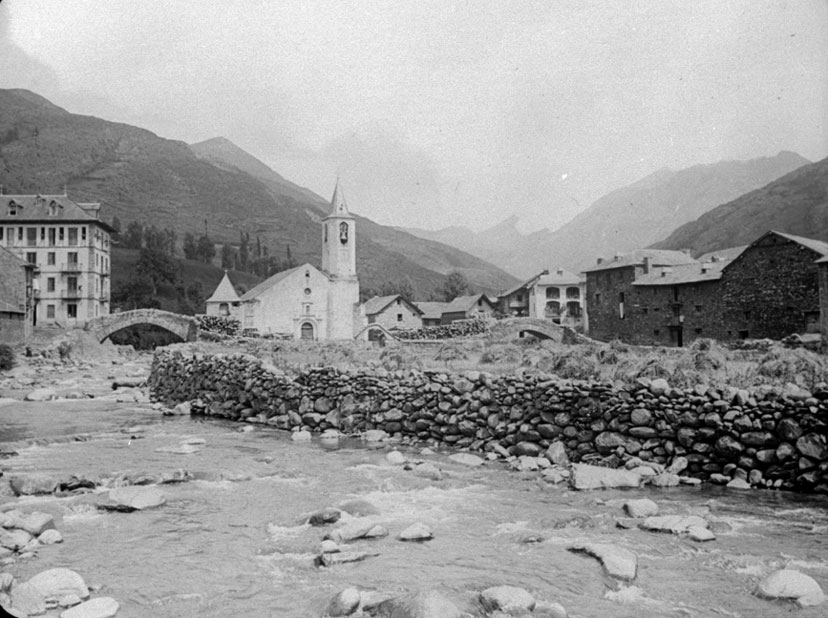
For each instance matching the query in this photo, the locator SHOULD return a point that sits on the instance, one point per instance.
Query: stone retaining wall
(768, 437)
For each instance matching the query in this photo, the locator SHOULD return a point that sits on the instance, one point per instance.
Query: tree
(134, 236)
(228, 257)
(455, 285)
(157, 266)
(190, 247)
(290, 262)
(244, 251)
(134, 293)
(403, 287)
(116, 226)
(206, 250)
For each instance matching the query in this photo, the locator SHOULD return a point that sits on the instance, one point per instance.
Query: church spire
(338, 206)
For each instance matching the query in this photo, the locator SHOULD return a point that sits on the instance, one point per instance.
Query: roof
(432, 310)
(658, 257)
(525, 284)
(36, 208)
(465, 303)
(9, 308)
(559, 276)
(225, 292)
(683, 273)
(271, 281)
(723, 255)
(338, 206)
(814, 245)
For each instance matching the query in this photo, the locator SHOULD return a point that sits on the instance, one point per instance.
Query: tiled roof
(225, 292)
(658, 257)
(814, 245)
(559, 276)
(465, 303)
(376, 304)
(36, 208)
(432, 310)
(683, 273)
(271, 281)
(723, 255)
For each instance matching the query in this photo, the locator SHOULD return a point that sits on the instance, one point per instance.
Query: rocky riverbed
(180, 516)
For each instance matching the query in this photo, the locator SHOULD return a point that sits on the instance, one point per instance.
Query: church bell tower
(339, 239)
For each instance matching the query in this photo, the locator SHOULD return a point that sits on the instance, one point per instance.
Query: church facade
(305, 302)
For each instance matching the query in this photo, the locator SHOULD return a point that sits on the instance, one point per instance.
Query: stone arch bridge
(511, 328)
(183, 326)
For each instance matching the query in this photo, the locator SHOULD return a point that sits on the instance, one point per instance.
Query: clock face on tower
(343, 233)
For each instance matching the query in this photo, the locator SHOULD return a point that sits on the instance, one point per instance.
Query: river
(232, 542)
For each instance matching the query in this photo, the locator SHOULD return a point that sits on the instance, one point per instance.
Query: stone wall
(453, 330)
(772, 438)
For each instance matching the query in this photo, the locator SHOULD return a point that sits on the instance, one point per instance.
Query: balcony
(70, 293)
(70, 267)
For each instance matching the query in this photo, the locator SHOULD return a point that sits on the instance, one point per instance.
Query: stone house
(769, 289)
(467, 308)
(558, 295)
(17, 298)
(224, 301)
(392, 312)
(432, 312)
(69, 245)
(306, 302)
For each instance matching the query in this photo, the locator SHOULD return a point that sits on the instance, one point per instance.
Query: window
(747, 317)
(597, 297)
(1, 233)
(43, 234)
(224, 309)
(50, 284)
(12, 208)
(72, 310)
(343, 233)
(31, 236)
(399, 317)
(20, 234)
(553, 293)
(52, 208)
(72, 258)
(50, 312)
(31, 257)
(73, 236)
(52, 233)
(698, 331)
(645, 310)
(50, 258)
(61, 234)
(573, 293)
(698, 308)
(621, 297)
(83, 233)
(656, 332)
(72, 285)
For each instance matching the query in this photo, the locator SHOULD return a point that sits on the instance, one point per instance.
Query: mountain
(796, 203)
(212, 186)
(625, 219)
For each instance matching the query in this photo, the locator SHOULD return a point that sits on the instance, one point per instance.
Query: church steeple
(338, 238)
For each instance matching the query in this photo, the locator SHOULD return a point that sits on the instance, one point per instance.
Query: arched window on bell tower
(343, 233)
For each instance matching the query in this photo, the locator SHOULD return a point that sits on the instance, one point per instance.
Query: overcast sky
(442, 113)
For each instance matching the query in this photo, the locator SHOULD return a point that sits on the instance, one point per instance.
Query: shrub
(799, 366)
(6, 357)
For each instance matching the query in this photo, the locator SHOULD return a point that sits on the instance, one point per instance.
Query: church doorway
(306, 332)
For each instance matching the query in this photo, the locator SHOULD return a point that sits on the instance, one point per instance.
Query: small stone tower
(339, 263)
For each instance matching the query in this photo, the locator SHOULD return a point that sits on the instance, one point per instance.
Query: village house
(306, 302)
(69, 246)
(473, 306)
(769, 289)
(17, 298)
(557, 295)
(224, 302)
(392, 312)
(432, 312)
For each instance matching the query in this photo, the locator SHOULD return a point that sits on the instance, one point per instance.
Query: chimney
(646, 265)
(600, 261)
(560, 272)
(704, 269)
(617, 257)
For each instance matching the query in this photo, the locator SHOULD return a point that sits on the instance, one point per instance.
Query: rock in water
(618, 562)
(33, 484)
(640, 508)
(424, 604)
(595, 477)
(429, 471)
(677, 524)
(56, 583)
(41, 394)
(36, 523)
(343, 557)
(50, 537)
(395, 458)
(700, 534)
(343, 604)
(416, 532)
(467, 459)
(134, 499)
(102, 607)
(359, 508)
(325, 516)
(793, 585)
(27, 600)
(509, 599)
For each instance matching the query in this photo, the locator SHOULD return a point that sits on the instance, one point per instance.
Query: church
(304, 302)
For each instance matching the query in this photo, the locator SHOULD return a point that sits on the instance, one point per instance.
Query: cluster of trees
(254, 259)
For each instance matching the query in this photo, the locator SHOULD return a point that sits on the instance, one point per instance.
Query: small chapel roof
(225, 292)
(338, 206)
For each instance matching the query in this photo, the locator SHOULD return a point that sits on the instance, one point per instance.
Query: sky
(437, 113)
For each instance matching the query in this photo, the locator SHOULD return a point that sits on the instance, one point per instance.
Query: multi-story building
(16, 297)
(557, 295)
(70, 247)
(769, 289)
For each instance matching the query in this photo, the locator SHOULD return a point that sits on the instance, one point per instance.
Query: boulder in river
(422, 604)
(32, 484)
(345, 603)
(375, 435)
(36, 523)
(50, 537)
(359, 508)
(677, 524)
(343, 557)
(27, 600)
(127, 499)
(640, 508)
(467, 459)
(41, 394)
(791, 585)
(101, 607)
(618, 562)
(55, 583)
(324, 517)
(509, 599)
(585, 476)
(357, 530)
(395, 458)
(428, 470)
(416, 532)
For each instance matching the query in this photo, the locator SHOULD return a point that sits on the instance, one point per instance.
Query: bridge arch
(512, 328)
(182, 326)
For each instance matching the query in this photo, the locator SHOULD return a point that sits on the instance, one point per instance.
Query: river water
(231, 542)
